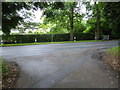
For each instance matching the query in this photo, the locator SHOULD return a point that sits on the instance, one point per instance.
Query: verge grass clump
(115, 51)
(113, 57)
(5, 69)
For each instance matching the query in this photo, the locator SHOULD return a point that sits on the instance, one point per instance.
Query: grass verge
(40, 43)
(9, 73)
(115, 51)
(113, 57)
(3, 68)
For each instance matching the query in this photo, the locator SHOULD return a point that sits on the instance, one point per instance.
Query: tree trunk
(97, 22)
(71, 24)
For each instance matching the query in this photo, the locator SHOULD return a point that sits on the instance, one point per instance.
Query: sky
(38, 15)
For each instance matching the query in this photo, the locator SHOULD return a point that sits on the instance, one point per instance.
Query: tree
(112, 17)
(30, 32)
(71, 21)
(10, 17)
(107, 16)
(96, 18)
(97, 15)
(63, 17)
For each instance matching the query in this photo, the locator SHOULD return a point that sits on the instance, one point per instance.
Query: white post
(35, 40)
(95, 38)
(1, 42)
(74, 38)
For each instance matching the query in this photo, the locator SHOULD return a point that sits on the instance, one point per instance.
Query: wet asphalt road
(61, 65)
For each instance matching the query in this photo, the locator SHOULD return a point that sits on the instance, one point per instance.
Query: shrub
(84, 36)
(60, 37)
(43, 37)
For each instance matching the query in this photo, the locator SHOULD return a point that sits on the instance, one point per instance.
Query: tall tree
(96, 18)
(63, 16)
(71, 21)
(112, 16)
(97, 14)
(10, 17)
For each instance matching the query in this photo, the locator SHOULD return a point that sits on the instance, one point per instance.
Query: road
(67, 65)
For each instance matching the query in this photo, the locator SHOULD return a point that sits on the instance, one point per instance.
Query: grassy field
(23, 44)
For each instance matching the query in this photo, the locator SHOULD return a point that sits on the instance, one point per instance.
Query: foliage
(115, 51)
(90, 26)
(5, 70)
(27, 25)
(10, 18)
(112, 16)
(84, 36)
(67, 18)
(108, 13)
(87, 30)
(30, 32)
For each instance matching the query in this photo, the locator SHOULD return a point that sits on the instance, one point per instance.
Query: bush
(30, 38)
(8, 39)
(61, 37)
(43, 38)
(84, 36)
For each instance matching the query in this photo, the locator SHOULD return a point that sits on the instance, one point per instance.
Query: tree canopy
(10, 17)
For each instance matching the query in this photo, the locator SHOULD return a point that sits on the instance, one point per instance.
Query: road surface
(67, 65)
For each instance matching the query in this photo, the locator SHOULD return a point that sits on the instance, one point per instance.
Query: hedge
(84, 36)
(45, 37)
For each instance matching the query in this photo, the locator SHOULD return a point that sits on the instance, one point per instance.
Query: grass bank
(112, 57)
(9, 73)
(115, 51)
(23, 44)
(3, 67)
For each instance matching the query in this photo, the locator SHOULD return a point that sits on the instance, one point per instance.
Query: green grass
(23, 44)
(115, 51)
(3, 68)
